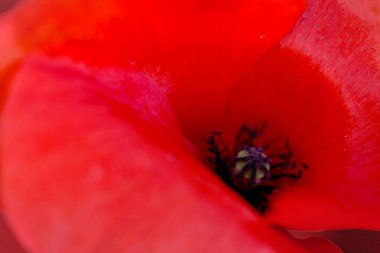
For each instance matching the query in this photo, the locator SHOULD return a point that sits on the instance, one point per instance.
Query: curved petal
(93, 163)
(205, 47)
(320, 90)
(317, 244)
(314, 243)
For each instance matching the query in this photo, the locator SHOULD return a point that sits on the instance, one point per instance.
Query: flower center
(249, 169)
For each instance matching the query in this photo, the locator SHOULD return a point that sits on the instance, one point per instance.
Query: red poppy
(108, 103)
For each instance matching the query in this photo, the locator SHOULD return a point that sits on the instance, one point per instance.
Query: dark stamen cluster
(249, 170)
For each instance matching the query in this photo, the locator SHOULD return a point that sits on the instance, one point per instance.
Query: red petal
(151, 28)
(204, 47)
(86, 170)
(317, 245)
(313, 243)
(320, 89)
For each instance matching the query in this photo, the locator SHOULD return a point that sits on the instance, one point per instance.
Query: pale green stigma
(252, 166)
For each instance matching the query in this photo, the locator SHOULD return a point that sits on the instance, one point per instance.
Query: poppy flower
(106, 108)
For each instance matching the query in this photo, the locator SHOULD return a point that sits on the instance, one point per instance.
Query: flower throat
(250, 169)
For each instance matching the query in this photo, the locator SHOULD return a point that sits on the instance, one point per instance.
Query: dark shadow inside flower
(254, 170)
